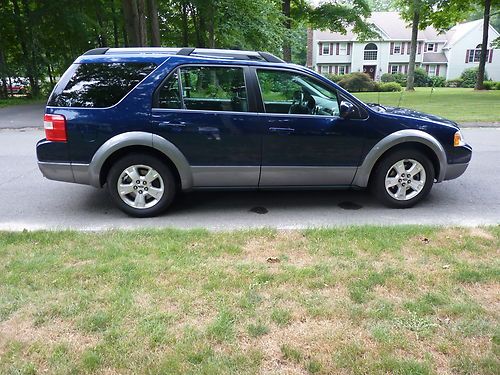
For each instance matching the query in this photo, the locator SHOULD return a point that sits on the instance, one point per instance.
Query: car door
(305, 142)
(205, 111)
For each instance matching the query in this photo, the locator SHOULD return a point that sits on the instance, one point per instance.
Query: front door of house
(370, 70)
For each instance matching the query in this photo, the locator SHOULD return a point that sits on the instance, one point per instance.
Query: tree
(423, 13)
(484, 45)
(335, 16)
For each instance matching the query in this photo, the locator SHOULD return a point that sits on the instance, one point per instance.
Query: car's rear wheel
(403, 178)
(141, 185)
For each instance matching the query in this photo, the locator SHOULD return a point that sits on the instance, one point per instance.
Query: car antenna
(400, 99)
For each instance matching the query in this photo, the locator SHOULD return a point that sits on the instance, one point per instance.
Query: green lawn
(19, 101)
(369, 300)
(458, 104)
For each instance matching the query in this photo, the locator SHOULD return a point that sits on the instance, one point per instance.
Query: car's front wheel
(141, 185)
(403, 178)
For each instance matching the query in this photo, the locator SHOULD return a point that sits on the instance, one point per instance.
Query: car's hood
(416, 115)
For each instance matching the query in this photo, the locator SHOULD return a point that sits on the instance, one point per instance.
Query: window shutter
(437, 70)
(408, 47)
(491, 56)
(330, 69)
(389, 68)
(336, 69)
(435, 47)
(402, 48)
(347, 69)
(338, 48)
(392, 48)
(321, 48)
(331, 49)
(419, 48)
(348, 48)
(406, 69)
(427, 69)
(467, 56)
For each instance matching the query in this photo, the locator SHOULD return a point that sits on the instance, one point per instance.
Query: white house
(446, 55)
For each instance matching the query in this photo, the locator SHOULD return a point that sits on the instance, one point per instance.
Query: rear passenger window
(99, 85)
(205, 88)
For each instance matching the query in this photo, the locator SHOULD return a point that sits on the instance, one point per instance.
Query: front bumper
(67, 172)
(455, 170)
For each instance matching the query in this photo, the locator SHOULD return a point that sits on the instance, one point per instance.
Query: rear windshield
(99, 85)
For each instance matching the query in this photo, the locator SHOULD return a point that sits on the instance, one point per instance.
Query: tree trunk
(154, 23)
(116, 39)
(287, 23)
(131, 20)
(413, 46)
(3, 70)
(141, 11)
(484, 46)
(185, 26)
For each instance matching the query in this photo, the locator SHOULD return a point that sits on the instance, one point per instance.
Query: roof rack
(190, 51)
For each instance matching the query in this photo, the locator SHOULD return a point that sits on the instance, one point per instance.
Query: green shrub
(469, 77)
(389, 86)
(357, 82)
(334, 77)
(457, 82)
(489, 85)
(421, 78)
(387, 77)
(497, 85)
(437, 81)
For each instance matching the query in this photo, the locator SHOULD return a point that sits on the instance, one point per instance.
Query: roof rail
(190, 51)
(97, 51)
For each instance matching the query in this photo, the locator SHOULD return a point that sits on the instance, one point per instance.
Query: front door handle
(281, 130)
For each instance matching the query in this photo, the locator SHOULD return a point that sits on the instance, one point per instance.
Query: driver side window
(292, 93)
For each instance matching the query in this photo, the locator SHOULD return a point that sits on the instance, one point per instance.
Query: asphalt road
(30, 201)
(22, 116)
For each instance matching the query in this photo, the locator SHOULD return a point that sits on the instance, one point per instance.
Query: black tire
(384, 166)
(166, 178)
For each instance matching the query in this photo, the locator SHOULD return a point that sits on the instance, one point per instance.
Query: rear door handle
(281, 130)
(172, 124)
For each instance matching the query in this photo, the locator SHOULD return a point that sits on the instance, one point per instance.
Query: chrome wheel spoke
(400, 167)
(401, 193)
(124, 189)
(139, 200)
(151, 175)
(391, 182)
(416, 185)
(415, 169)
(132, 172)
(156, 193)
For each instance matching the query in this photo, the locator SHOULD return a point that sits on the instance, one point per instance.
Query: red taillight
(55, 128)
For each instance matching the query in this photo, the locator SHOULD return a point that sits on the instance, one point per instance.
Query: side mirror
(347, 109)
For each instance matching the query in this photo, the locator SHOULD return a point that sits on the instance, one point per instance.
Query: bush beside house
(359, 82)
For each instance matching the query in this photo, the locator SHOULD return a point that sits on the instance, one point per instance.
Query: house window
(394, 69)
(429, 47)
(342, 69)
(370, 52)
(432, 70)
(397, 47)
(326, 48)
(324, 69)
(343, 49)
(475, 54)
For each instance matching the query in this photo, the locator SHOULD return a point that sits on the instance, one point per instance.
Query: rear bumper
(67, 172)
(455, 170)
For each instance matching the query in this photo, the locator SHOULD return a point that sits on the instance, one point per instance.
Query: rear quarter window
(99, 85)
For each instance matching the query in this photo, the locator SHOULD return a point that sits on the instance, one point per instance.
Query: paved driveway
(22, 116)
(32, 202)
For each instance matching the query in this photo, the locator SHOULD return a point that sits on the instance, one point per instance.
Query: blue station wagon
(150, 122)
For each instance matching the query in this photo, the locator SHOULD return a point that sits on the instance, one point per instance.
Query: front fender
(402, 136)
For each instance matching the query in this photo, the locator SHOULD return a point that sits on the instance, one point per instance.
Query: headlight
(458, 139)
